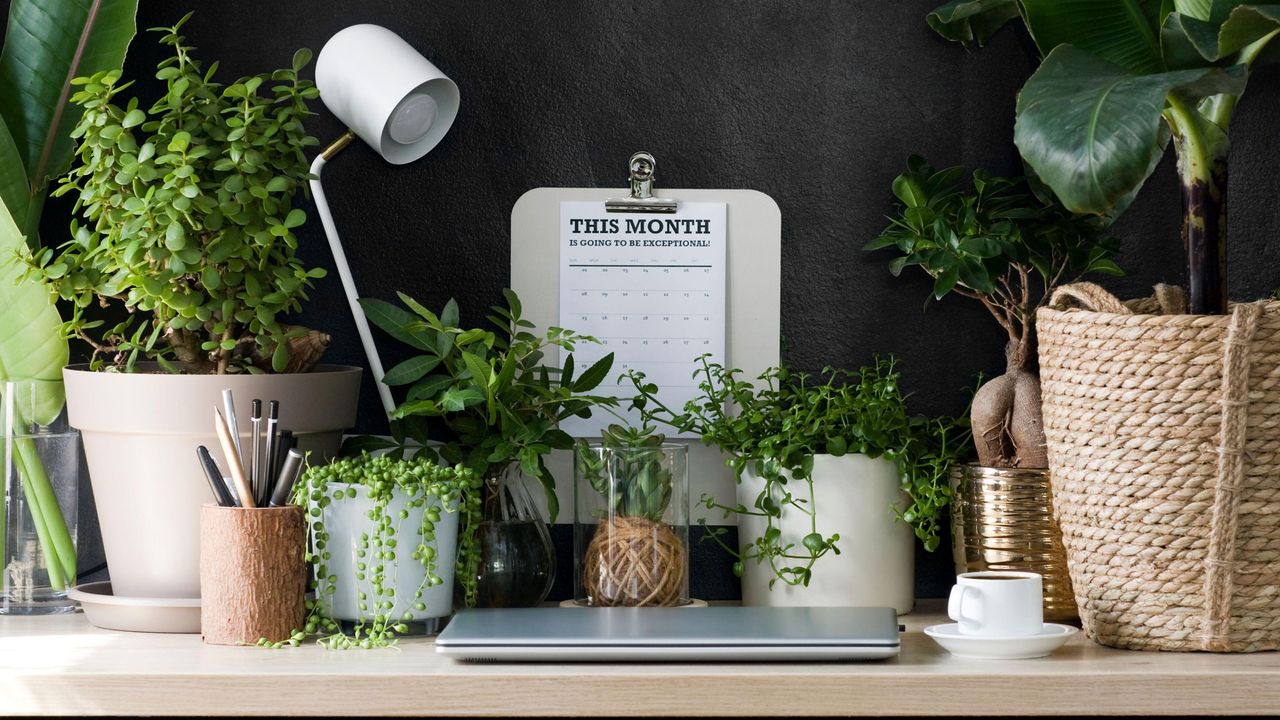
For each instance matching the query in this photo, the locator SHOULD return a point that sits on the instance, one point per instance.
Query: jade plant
(1117, 81)
(429, 490)
(776, 427)
(996, 242)
(186, 219)
(498, 400)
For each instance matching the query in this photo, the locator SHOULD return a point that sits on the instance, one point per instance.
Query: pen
(216, 481)
(229, 412)
(233, 461)
(255, 462)
(269, 473)
(290, 469)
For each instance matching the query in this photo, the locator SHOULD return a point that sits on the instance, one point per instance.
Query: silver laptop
(671, 634)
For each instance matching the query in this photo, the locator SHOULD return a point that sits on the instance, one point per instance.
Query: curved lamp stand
(396, 101)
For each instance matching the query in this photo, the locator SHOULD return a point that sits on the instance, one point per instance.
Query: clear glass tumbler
(42, 470)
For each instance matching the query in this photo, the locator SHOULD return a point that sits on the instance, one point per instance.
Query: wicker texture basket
(1164, 446)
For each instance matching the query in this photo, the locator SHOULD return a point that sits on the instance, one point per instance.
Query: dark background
(817, 104)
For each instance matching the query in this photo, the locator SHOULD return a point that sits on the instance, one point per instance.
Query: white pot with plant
(386, 538)
(186, 223)
(834, 479)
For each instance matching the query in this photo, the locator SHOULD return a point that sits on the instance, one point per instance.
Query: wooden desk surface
(64, 666)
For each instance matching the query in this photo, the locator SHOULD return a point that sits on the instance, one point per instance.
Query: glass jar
(42, 469)
(517, 563)
(631, 525)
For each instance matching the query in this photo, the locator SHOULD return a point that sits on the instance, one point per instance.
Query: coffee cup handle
(955, 604)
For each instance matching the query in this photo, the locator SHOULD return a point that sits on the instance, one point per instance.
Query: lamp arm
(349, 283)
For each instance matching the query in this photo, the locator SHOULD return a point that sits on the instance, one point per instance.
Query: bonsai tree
(1118, 79)
(1001, 245)
(187, 219)
(780, 422)
(634, 558)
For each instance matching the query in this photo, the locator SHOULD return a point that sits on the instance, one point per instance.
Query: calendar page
(651, 288)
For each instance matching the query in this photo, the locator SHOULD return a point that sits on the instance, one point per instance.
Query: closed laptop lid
(719, 626)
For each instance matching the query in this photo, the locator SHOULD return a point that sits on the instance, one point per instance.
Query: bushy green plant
(999, 243)
(430, 489)
(777, 426)
(499, 401)
(627, 470)
(187, 218)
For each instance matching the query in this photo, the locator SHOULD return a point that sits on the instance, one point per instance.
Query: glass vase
(42, 479)
(631, 526)
(517, 560)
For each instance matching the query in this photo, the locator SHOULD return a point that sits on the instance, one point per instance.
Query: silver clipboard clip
(641, 169)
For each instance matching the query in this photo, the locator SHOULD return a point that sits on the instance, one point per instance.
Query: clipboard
(753, 292)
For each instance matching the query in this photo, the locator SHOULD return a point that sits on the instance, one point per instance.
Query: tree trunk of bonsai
(1008, 428)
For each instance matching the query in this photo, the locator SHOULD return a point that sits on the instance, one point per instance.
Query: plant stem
(42, 498)
(1202, 164)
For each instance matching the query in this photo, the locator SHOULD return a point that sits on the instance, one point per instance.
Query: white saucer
(1050, 638)
(160, 615)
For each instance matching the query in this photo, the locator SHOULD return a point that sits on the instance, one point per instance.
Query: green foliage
(629, 469)
(785, 419)
(998, 242)
(188, 215)
(430, 489)
(493, 391)
(1119, 78)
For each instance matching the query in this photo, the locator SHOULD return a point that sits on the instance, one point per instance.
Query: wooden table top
(63, 666)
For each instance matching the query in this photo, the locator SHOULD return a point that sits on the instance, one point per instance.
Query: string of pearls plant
(430, 490)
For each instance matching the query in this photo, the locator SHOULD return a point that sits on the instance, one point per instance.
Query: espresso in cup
(998, 604)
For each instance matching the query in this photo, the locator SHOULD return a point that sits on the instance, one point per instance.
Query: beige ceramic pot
(140, 433)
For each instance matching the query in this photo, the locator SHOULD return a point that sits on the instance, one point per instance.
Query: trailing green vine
(781, 422)
(430, 490)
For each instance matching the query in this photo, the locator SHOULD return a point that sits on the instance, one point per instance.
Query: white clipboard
(754, 296)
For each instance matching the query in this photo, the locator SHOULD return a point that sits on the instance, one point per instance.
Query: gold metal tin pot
(1002, 519)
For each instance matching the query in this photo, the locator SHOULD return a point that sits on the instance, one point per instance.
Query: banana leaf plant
(1118, 80)
(47, 43)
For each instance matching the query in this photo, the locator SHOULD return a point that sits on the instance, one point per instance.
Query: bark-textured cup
(253, 573)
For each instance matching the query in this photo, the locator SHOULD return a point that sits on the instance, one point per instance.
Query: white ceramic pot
(140, 433)
(856, 496)
(346, 520)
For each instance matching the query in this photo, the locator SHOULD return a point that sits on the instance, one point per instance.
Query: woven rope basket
(1164, 448)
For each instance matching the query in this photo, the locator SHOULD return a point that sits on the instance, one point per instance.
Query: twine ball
(634, 562)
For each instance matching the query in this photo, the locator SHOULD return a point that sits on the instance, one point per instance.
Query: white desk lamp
(398, 103)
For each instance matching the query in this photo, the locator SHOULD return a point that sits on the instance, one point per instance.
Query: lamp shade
(384, 90)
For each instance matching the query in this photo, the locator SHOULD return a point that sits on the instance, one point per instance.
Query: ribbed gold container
(1002, 519)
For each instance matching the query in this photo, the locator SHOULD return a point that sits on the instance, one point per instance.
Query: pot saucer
(158, 615)
(1050, 638)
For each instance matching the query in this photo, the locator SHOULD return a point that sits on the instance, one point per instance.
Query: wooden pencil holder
(253, 573)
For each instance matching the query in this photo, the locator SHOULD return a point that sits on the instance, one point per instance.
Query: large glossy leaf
(31, 341)
(1124, 32)
(14, 191)
(48, 43)
(972, 21)
(1091, 130)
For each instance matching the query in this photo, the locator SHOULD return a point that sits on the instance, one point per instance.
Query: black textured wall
(817, 103)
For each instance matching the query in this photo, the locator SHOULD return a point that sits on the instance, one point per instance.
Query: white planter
(347, 519)
(140, 433)
(856, 496)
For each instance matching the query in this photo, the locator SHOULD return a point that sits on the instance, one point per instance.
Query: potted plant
(186, 223)
(631, 520)
(499, 405)
(35, 118)
(844, 438)
(385, 537)
(998, 243)
(1117, 81)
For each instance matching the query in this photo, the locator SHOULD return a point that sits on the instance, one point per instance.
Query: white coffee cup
(998, 603)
